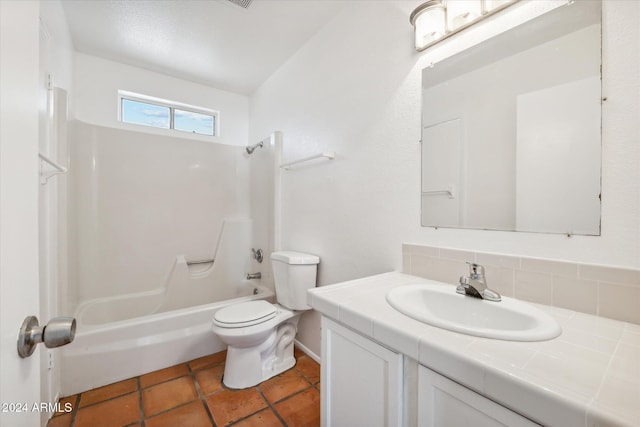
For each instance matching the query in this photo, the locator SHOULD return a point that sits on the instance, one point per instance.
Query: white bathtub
(110, 352)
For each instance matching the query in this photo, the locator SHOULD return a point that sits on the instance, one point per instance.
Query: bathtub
(109, 352)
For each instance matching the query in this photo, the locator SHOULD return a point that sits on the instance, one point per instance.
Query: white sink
(441, 306)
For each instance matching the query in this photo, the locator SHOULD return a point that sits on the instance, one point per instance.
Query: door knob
(58, 332)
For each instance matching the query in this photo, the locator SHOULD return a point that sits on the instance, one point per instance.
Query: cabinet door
(361, 380)
(445, 403)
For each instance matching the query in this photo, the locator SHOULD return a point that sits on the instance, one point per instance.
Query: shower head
(251, 148)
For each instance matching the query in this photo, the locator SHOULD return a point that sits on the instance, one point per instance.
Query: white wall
(355, 88)
(52, 17)
(97, 81)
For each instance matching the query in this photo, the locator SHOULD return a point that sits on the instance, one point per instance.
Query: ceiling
(213, 42)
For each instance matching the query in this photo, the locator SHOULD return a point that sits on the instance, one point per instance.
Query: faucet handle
(463, 283)
(475, 270)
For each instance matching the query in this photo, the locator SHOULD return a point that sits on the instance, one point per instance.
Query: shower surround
(159, 238)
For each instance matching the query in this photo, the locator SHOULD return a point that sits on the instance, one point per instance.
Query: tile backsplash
(601, 290)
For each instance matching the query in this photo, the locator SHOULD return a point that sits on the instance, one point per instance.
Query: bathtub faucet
(254, 276)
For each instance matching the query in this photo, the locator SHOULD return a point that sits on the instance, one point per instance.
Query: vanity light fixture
(436, 20)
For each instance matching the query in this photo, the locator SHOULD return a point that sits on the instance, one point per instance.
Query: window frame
(172, 106)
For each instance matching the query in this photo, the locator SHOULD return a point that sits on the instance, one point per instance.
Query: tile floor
(192, 395)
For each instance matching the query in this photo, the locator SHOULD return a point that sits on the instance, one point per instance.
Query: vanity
(501, 120)
(383, 368)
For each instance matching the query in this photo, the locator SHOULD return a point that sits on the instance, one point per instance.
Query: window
(147, 111)
(141, 113)
(190, 121)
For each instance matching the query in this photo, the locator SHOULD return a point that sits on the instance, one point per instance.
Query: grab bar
(44, 176)
(201, 261)
(329, 155)
(449, 191)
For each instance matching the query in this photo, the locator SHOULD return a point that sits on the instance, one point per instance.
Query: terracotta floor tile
(301, 410)
(64, 404)
(309, 368)
(283, 385)
(191, 415)
(170, 398)
(298, 353)
(108, 392)
(60, 421)
(213, 359)
(163, 375)
(210, 379)
(168, 395)
(116, 412)
(231, 405)
(265, 418)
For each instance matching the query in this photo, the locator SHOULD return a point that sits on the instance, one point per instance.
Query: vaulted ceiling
(213, 42)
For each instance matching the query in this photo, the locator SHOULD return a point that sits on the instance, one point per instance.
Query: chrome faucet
(476, 285)
(254, 276)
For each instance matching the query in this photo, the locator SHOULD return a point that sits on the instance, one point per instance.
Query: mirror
(511, 129)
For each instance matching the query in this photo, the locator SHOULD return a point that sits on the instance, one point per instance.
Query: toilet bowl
(260, 335)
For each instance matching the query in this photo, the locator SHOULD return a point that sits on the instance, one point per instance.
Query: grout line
(201, 395)
(189, 370)
(304, 377)
(139, 390)
(209, 414)
(74, 412)
(108, 399)
(294, 394)
(172, 408)
(163, 381)
(271, 407)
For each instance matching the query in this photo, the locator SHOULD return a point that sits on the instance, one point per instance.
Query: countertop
(588, 376)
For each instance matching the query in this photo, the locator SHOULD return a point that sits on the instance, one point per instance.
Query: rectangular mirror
(511, 129)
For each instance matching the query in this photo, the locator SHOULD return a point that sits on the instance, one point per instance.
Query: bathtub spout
(254, 276)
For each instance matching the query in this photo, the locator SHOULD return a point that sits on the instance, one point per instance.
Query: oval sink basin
(441, 306)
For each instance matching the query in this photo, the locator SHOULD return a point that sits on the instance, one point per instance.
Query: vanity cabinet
(442, 402)
(361, 380)
(364, 384)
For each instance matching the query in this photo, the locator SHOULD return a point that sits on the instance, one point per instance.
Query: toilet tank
(294, 273)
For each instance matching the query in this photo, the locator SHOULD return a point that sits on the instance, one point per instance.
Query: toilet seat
(244, 314)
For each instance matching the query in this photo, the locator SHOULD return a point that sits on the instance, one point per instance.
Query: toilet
(259, 335)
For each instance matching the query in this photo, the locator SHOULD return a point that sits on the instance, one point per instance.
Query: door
(361, 380)
(445, 403)
(19, 293)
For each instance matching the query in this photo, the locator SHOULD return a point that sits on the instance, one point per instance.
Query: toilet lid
(244, 314)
